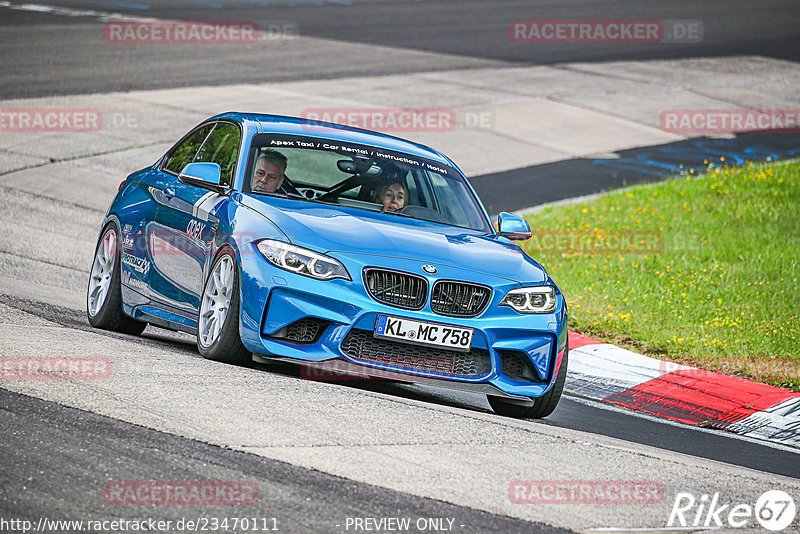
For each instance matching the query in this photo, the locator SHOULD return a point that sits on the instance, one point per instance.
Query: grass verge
(702, 270)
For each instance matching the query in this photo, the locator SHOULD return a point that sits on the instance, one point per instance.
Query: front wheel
(218, 322)
(104, 294)
(543, 406)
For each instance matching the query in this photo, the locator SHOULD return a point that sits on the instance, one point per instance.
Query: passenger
(268, 172)
(392, 196)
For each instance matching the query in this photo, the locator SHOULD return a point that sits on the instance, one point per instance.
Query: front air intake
(301, 332)
(364, 347)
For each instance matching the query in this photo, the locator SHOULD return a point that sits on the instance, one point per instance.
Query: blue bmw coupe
(273, 237)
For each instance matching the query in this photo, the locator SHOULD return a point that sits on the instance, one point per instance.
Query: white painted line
(103, 16)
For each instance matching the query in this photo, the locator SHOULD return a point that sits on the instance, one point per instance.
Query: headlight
(302, 261)
(539, 299)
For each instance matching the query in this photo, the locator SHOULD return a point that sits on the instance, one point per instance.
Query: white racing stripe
(205, 204)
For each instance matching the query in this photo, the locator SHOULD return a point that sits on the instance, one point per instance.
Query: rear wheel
(218, 322)
(543, 406)
(104, 294)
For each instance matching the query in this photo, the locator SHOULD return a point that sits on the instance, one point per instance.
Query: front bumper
(504, 341)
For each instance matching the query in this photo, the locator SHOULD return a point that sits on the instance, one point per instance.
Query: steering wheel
(288, 187)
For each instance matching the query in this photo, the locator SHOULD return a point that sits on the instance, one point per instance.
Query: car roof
(280, 124)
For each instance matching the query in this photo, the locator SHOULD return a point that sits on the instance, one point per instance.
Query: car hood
(328, 228)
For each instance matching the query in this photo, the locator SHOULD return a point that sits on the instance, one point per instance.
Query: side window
(221, 147)
(184, 153)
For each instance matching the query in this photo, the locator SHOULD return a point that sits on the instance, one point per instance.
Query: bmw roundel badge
(430, 269)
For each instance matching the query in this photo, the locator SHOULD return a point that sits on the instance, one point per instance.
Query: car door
(141, 283)
(183, 233)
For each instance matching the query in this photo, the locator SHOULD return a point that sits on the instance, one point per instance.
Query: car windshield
(363, 177)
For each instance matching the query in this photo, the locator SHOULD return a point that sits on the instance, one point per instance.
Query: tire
(543, 406)
(217, 328)
(104, 294)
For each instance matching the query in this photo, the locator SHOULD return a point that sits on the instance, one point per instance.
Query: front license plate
(423, 333)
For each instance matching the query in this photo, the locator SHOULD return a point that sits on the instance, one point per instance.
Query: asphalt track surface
(572, 412)
(300, 500)
(58, 459)
(46, 54)
(42, 437)
(527, 187)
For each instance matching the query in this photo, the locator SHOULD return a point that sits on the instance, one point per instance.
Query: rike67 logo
(774, 510)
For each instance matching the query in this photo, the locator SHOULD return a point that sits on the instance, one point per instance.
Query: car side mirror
(205, 175)
(513, 227)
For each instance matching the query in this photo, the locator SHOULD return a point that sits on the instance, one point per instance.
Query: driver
(268, 172)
